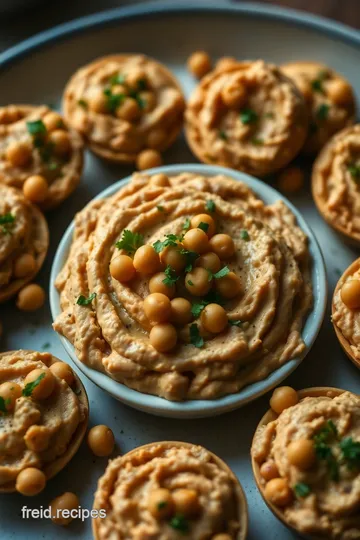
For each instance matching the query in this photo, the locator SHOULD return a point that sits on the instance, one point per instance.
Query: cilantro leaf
(197, 308)
(171, 277)
(130, 241)
(212, 297)
(37, 127)
(220, 274)
(191, 257)
(30, 387)
(350, 452)
(323, 450)
(6, 222)
(210, 206)
(160, 208)
(248, 116)
(322, 111)
(302, 490)
(117, 79)
(161, 505)
(141, 85)
(354, 170)
(195, 337)
(4, 403)
(170, 240)
(189, 282)
(82, 103)
(187, 224)
(223, 135)
(244, 235)
(235, 323)
(179, 523)
(83, 301)
(113, 101)
(203, 226)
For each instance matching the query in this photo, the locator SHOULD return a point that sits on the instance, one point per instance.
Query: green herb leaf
(45, 346)
(223, 135)
(317, 86)
(350, 452)
(302, 490)
(323, 451)
(130, 241)
(113, 101)
(354, 170)
(7, 222)
(195, 337)
(211, 298)
(141, 85)
(248, 116)
(83, 301)
(82, 103)
(189, 282)
(235, 323)
(170, 240)
(4, 403)
(179, 523)
(210, 206)
(37, 127)
(322, 111)
(257, 141)
(160, 208)
(30, 387)
(161, 505)
(244, 235)
(171, 277)
(117, 79)
(187, 224)
(197, 308)
(220, 274)
(203, 226)
(191, 257)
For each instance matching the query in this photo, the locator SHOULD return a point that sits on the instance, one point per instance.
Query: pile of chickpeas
(165, 310)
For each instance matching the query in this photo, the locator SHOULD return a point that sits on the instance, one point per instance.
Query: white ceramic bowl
(202, 408)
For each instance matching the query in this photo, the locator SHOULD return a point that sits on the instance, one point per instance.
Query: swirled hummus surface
(105, 320)
(123, 104)
(246, 116)
(23, 231)
(208, 499)
(34, 432)
(34, 140)
(326, 497)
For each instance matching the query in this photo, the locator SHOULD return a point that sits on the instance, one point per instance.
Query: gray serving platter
(35, 72)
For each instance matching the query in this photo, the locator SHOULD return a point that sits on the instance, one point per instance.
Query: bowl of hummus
(306, 461)
(188, 290)
(335, 183)
(43, 418)
(170, 489)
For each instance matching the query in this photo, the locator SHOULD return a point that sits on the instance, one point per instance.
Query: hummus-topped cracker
(247, 116)
(24, 241)
(185, 287)
(37, 147)
(329, 97)
(123, 104)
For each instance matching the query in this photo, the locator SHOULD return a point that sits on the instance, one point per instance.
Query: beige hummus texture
(336, 182)
(62, 174)
(111, 136)
(331, 510)
(111, 334)
(59, 416)
(124, 490)
(260, 145)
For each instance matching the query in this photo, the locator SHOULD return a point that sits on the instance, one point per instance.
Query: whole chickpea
(171, 256)
(197, 281)
(98, 102)
(157, 307)
(122, 268)
(340, 92)
(186, 502)
(229, 286)
(30, 481)
(63, 371)
(234, 95)
(160, 503)
(35, 188)
(301, 454)
(196, 240)
(37, 438)
(209, 261)
(163, 337)
(147, 159)
(156, 138)
(157, 285)
(146, 260)
(223, 245)
(129, 110)
(67, 501)
(61, 141)
(180, 311)
(206, 220)
(45, 380)
(52, 121)
(283, 397)
(199, 64)
(160, 180)
(31, 298)
(278, 492)
(10, 391)
(350, 293)
(214, 318)
(18, 154)
(101, 440)
(269, 470)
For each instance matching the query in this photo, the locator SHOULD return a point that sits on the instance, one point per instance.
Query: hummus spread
(329, 97)
(168, 490)
(59, 162)
(48, 424)
(23, 231)
(326, 497)
(336, 182)
(246, 116)
(105, 320)
(123, 104)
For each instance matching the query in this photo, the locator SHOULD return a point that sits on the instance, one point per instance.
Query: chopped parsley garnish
(82, 103)
(6, 222)
(161, 505)
(257, 141)
(179, 523)
(195, 337)
(190, 283)
(141, 85)
(37, 127)
(324, 452)
(187, 224)
(211, 298)
(130, 241)
(235, 323)
(4, 403)
(191, 257)
(117, 79)
(244, 235)
(220, 274)
(140, 101)
(317, 86)
(30, 387)
(248, 116)
(322, 111)
(171, 277)
(302, 490)
(203, 226)
(113, 101)
(160, 208)
(170, 240)
(354, 170)
(223, 135)
(210, 206)
(83, 301)
(350, 452)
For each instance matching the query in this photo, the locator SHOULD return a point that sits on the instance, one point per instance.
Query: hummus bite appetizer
(168, 490)
(336, 183)
(306, 461)
(43, 419)
(39, 154)
(185, 287)
(123, 105)
(329, 98)
(24, 241)
(246, 116)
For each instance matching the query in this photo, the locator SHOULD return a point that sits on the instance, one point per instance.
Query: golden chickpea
(31, 298)
(186, 502)
(24, 265)
(62, 506)
(101, 440)
(180, 311)
(147, 159)
(225, 62)
(234, 95)
(157, 285)
(199, 64)
(223, 245)
(157, 307)
(146, 260)
(134, 78)
(340, 92)
(35, 188)
(10, 391)
(209, 261)
(18, 153)
(61, 141)
(278, 492)
(122, 268)
(208, 220)
(291, 180)
(45, 380)
(269, 470)
(221, 536)
(163, 337)
(52, 121)
(98, 102)
(160, 503)
(149, 101)
(350, 293)
(197, 281)
(283, 397)
(63, 371)
(118, 89)
(229, 286)
(30, 481)
(160, 180)
(214, 318)
(171, 256)
(156, 138)
(129, 110)
(301, 454)
(37, 438)
(196, 240)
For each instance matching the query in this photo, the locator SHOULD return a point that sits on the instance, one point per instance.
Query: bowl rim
(203, 408)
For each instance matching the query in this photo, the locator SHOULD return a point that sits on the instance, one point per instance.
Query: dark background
(30, 19)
